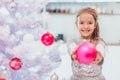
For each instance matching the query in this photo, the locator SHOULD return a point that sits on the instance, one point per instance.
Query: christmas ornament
(15, 63)
(2, 79)
(86, 53)
(47, 39)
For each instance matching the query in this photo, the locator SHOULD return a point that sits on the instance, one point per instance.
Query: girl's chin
(85, 36)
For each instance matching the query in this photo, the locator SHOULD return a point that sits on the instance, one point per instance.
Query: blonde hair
(95, 34)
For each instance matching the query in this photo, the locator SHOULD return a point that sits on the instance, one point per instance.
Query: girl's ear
(77, 25)
(77, 22)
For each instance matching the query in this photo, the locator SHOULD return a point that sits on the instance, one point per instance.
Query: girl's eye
(81, 22)
(90, 22)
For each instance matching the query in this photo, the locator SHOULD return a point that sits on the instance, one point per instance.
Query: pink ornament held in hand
(47, 39)
(86, 53)
(15, 63)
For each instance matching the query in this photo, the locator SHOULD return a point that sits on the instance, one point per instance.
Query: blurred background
(24, 22)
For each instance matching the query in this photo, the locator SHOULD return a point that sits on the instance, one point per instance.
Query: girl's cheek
(79, 28)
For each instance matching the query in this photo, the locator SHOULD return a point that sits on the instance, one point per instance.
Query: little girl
(87, 24)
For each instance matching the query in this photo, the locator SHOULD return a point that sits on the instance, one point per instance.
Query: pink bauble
(2, 78)
(15, 63)
(86, 53)
(47, 39)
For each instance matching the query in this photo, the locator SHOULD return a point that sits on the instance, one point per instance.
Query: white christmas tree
(22, 23)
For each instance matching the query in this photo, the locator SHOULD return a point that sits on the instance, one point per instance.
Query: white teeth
(85, 30)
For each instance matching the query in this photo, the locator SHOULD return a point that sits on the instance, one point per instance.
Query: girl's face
(86, 25)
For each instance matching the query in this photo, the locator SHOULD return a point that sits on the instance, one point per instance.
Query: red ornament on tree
(15, 63)
(47, 39)
(2, 78)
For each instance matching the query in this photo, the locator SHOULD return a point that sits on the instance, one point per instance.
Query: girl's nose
(86, 26)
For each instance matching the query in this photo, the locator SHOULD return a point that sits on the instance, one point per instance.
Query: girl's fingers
(99, 58)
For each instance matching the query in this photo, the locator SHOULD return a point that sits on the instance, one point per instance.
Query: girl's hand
(99, 59)
(73, 57)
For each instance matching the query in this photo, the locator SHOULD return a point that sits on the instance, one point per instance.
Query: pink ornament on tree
(47, 39)
(2, 78)
(15, 63)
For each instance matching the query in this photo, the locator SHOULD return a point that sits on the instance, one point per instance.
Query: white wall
(84, 0)
(111, 67)
(63, 24)
(110, 28)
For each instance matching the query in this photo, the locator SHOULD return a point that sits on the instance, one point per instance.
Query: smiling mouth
(86, 31)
